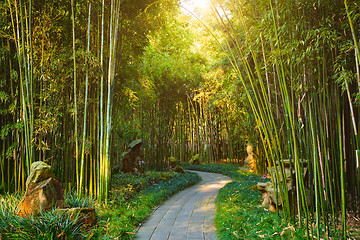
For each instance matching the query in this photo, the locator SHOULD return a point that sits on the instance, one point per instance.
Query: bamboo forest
(115, 111)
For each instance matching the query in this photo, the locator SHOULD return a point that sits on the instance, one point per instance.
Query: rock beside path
(43, 191)
(131, 160)
(195, 160)
(270, 193)
(174, 165)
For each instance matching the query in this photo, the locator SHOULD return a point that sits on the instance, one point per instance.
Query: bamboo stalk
(101, 137)
(75, 102)
(85, 108)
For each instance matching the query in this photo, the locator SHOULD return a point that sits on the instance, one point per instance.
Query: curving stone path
(188, 215)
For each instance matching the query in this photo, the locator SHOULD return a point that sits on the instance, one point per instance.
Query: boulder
(173, 162)
(179, 169)
(268, 189)
(195, 160)
(262, 186)
(135, 143)
(41, 196)
(39, 171)
(131, 160)
(174, 165)
(87, 216)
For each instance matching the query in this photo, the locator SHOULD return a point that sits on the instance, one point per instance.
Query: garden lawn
(239, 212)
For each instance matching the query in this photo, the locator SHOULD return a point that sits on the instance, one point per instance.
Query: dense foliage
(298, 63)
(81, 79)
(75, 94)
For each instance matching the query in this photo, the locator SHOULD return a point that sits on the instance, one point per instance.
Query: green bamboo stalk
(114, 25)
(101, 136)
(106, 159)
(16, 33)
(2, 167)
(342, 175)
(75, 103)
(85, 108)
(29, 79)
(357, 52)
(26, 83)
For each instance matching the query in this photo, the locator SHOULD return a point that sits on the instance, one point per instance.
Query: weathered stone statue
(43, 191)
(131, 160)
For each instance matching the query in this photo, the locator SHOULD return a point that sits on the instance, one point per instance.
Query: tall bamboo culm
(21, 25)
(310, 128)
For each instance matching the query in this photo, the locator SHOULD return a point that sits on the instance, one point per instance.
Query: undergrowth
(49, 225)
(239, 212)
(133, 198)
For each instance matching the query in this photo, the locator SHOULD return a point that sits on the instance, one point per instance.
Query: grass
(133, 198)
(49, 225)
(72, 200)
(239, 211)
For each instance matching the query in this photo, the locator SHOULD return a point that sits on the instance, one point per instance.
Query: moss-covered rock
(135, 143)
(43, 191)
(179, 169)
(87, 216)
(195, 160)
(39, 171)
(173, 162)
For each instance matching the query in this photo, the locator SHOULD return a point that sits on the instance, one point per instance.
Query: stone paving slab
(188, 215)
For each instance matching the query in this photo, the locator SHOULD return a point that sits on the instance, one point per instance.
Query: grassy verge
(134, 198)
(239, 211)
(49, 225)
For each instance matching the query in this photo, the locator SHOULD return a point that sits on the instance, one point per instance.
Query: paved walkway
(188, 215)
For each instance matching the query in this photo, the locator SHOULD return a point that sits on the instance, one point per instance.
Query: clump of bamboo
(22, 35)
(310, 125)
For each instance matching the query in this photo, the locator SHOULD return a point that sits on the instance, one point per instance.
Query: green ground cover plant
(49, 225)
(239, 211)
(134, 197)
